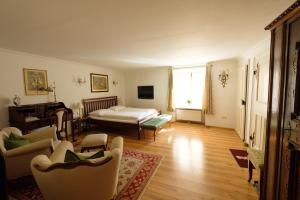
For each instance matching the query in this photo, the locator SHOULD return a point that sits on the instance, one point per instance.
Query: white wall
(60, 71)
(224, 99)
(158, 77)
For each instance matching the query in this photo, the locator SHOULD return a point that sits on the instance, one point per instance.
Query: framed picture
(35, 81)
(99, 83)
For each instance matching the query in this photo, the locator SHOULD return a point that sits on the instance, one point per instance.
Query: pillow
(117, 108)
(73, 157)
(14, 141)
(100, 112)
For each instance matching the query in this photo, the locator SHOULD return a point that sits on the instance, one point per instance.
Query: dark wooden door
(274, 113)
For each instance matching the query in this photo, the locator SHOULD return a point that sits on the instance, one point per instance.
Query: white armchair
(92, 179)
(18, 160)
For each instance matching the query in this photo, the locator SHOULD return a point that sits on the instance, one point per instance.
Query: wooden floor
(197, 164)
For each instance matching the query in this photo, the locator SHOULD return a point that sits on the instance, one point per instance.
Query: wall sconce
(223, 77)
(80, 81)
(115, 83)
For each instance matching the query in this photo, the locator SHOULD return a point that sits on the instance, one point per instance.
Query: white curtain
(207, 97)
(170, 90)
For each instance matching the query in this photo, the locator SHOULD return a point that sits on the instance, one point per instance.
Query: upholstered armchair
(18, 160)
(91, 179)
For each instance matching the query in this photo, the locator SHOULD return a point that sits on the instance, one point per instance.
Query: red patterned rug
(135, 172)
(241, 157)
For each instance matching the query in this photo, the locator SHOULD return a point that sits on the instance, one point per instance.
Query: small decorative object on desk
(17, 100)
(51, 88)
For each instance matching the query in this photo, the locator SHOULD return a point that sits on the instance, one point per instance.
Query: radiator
(189, 115)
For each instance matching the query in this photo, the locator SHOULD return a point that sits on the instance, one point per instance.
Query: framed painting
(99, 83)
(35, 81)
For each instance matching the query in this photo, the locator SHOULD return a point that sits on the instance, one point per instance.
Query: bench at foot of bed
(156, 123)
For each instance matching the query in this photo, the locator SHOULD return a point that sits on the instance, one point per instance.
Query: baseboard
(188, 121)
(231, 129)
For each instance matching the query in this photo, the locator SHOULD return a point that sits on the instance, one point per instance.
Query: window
(188, 87)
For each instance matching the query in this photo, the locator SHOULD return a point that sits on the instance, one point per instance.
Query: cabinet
(282, 159)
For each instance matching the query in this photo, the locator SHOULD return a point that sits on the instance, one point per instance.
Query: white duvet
(124, 113)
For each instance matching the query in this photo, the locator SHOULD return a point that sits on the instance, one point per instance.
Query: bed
(106, 113)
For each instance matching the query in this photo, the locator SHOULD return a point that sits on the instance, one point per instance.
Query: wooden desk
(33, 116)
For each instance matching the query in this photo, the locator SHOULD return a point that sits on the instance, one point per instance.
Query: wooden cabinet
(282, 159)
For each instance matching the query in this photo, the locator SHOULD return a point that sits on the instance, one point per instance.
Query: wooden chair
(59, 119)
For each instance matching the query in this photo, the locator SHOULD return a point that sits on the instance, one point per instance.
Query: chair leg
(250, 167)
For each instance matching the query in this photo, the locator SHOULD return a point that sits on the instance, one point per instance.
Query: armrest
(117, 142)
(60, 151)
(46, 133)
(29, 148)
(14, 130)
(40, 162)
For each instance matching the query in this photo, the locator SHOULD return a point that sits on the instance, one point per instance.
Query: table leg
(139, 132)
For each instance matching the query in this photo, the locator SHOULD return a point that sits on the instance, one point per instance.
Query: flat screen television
(146, 92)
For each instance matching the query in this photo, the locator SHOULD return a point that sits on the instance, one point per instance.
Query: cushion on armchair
(73, 157)
(14, 141)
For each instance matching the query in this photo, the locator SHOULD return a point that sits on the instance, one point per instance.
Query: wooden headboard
(90, 105)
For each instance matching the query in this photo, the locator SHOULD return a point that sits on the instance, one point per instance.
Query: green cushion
(15, 141)
(154, 123)
(166, 116)
(73, 157)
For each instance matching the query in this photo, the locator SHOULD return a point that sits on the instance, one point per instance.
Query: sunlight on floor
(189, 152)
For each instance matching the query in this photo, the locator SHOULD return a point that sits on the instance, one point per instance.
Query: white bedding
(124, 114)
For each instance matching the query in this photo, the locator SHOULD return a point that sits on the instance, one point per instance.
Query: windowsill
(198, 109)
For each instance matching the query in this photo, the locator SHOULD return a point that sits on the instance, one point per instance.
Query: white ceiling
(133, 33)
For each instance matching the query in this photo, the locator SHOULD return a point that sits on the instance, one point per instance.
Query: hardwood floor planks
(197, 164)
